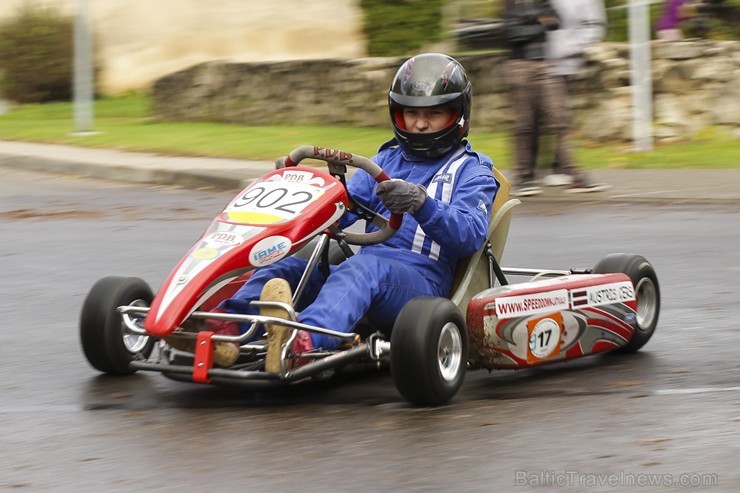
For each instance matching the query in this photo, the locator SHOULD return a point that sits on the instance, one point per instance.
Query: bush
(36, 56)
(401, 27)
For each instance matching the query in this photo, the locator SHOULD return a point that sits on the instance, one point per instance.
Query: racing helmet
(423, 81)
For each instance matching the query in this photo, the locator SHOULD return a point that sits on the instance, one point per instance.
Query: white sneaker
(557, 180)
(525, 189)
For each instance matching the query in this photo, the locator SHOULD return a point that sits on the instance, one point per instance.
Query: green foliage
(401, 27)
(478, 8)
(617, 19)
(724, 21)
(36, 53)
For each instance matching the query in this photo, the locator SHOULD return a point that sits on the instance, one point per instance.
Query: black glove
(401, 196)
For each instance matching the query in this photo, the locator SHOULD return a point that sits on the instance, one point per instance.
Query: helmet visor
(430, 81)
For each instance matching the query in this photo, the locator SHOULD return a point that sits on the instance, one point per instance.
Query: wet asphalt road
(668, 416)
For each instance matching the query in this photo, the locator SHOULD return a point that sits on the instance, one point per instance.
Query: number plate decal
(545, 334)
(270, 202)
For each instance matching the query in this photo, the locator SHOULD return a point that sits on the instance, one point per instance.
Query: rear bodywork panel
(525, 325)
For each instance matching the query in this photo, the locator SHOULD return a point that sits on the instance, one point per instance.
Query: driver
(445, 189)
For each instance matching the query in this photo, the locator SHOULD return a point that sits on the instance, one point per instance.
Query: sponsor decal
(605, 294)
(442, 178)
(482, 207)
(269, 250)
(532, 304)
(544, 337)
(295, 176)
(326, 152)
(224, 238)
(205, 253)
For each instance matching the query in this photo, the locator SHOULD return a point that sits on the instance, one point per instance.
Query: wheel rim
(647, 303)
(134, 342)
(449, 351)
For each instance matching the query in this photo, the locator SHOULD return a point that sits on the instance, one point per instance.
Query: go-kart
(554, 315)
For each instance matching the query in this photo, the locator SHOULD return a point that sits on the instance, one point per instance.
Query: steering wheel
(337, 162)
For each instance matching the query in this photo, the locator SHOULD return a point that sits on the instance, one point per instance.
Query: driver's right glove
(400, 196)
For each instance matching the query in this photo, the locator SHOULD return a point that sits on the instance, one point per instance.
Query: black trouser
(537, 96)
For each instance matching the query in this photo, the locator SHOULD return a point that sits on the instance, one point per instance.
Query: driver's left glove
(400, 196)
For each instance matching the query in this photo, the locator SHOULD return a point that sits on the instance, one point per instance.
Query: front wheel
(429, 351)
(108, 345)
(647, 291)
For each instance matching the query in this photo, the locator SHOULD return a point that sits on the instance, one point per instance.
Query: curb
(130, 174)
(707, 187)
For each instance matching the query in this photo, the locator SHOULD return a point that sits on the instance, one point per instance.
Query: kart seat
(472, 273)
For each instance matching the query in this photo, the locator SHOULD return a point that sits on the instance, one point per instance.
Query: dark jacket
(526, 29)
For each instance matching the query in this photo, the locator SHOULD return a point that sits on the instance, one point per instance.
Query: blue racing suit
(419, 260)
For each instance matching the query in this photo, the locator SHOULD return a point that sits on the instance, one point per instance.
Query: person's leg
(523, 105)
(291, 269)
(226, 354)
(567, 88)
(555, 106)
(364, 285)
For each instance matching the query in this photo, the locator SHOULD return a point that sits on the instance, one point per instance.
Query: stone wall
(695, 84)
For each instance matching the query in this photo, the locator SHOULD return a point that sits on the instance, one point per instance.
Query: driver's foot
(301, 344)
(276, 289)
(225, 354)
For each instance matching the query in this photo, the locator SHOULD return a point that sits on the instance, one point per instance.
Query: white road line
(696, 390)
(654, 192)
(40, 409)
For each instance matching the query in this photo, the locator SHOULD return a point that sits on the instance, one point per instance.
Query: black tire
(429, 351)
(107, 344)
(647, 291)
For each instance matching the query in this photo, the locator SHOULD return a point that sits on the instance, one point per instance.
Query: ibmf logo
(269, 250)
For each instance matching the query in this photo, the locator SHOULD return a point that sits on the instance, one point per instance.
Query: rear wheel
(429, 351)
(647, 292)
(108, 345)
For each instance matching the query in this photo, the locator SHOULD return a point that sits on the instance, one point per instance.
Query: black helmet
(431, 79)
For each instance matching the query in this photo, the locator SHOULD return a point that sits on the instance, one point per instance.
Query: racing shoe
(225, 354)
(276, 289)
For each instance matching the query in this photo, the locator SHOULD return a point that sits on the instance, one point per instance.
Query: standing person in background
(529, 80)
(535, 92)
(685, 18)
(582, 24)
(668, 25)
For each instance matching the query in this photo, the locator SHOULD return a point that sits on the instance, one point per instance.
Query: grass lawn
(125, 123)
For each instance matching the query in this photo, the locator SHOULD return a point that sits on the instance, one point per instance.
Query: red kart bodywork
(271, 218)
(541, 322)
